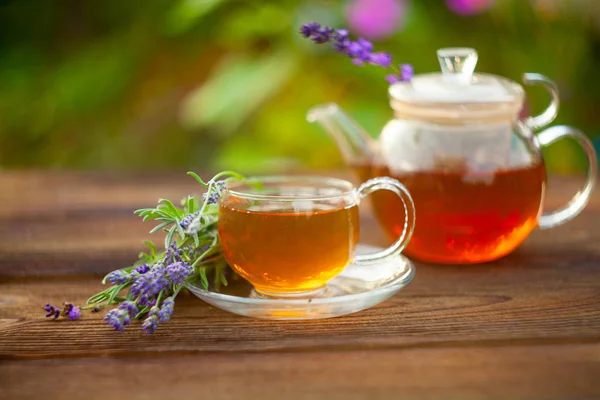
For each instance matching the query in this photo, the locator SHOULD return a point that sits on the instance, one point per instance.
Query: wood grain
(526, 326)
(510, 300)
(516, 372)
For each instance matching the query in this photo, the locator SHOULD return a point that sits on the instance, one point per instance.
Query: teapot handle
(549, 114)
(581, 198)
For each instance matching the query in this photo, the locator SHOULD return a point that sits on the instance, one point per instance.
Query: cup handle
(385, 183)
(581, 198)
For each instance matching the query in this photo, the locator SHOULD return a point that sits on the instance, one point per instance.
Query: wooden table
(525, 327)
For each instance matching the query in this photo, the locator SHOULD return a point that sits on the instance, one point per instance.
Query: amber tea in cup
(288, 236)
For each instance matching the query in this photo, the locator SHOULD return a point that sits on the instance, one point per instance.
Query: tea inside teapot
(462, 216)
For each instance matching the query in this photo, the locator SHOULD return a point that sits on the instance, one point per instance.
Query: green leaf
(115, 291)
(176, 212)
(197, 178)
(169, 237)
(203, 278)
(142, 211)
(159, 227)
(152, 247)
(180, 230)
(190, 204)
(98, 297)
(222, 278)
(141, 312)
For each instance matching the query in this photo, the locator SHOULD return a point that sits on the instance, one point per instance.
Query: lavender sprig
(360, 51)
(68, 310)
(192, 249)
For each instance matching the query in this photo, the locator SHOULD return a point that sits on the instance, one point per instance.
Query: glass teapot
(474, 169)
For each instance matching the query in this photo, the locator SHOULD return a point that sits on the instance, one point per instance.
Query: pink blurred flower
(469, 7)
(375, 19)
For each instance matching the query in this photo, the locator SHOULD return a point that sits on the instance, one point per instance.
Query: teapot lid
(457, 92)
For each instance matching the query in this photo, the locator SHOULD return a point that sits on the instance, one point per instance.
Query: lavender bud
(153, 311)
(365, 44)
(74, 313)
(118, 277)
(322, 36)
(381, 59)
(166, 311)
(178, 272)
(392, 78)
(407, 72)
(71, 311)
(187, 220)
(118, 319)
(49, 308)
(307, 30)
(130, 307)
(142, 269)
(341, 34)
(150, 284)
(150, 324)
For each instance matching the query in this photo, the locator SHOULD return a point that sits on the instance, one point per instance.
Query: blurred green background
(211, 84)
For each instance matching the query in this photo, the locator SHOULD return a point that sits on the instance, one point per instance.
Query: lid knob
(457, 64)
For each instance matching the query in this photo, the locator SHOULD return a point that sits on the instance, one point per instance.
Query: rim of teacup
(327, 184)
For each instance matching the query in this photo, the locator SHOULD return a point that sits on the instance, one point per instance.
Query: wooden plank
(518, 372)
(529, 299)
(82, 223)
(31, 193)
(97, 246)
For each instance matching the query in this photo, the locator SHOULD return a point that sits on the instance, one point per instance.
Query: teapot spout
(353, 141)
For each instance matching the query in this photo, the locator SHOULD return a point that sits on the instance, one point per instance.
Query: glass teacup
(288, 236)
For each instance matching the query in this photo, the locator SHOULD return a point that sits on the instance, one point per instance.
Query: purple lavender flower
(307, 30)
(130, 307)
(153, 311)
(359, 51)
(215, 194)
(187, 220)
(178, 272)
(150, 284)
(316, 33)
(142, 269)
(118, 319)
(166, 311)
(382, 59)
(173, 254)
(71, 310)
(118, 277)
(392, 78)
(342, 46)
(341, 34)
(52, 311)
(323, 36)
(150, 325)
(74, 313)
(406, 74)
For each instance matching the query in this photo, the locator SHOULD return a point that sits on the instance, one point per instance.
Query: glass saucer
(355, 289)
